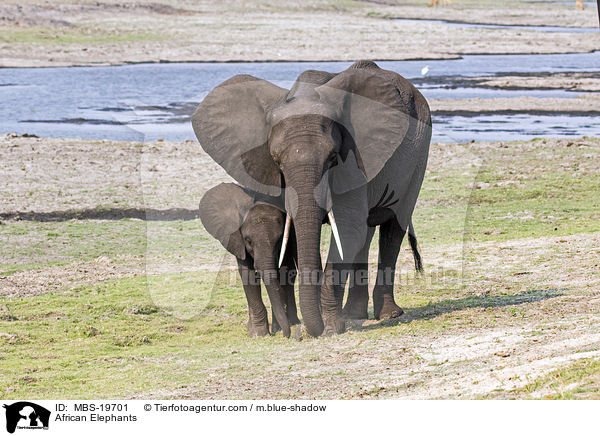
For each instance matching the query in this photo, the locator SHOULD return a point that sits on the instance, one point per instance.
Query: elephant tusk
(336, 235)
(286, 236)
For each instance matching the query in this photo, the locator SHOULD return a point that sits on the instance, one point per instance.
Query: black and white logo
(26, 415)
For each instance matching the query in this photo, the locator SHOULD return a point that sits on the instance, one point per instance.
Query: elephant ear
(222, 211)
(231, 126)
(373, 109)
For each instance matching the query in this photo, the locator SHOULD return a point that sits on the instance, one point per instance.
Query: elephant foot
(293, 317)
(275, 327)
(385, 307)
(334, 325)
(258, 330)
(356, 309)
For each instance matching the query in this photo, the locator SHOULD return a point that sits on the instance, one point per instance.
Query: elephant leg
(258, 323)
(358, 292)
(287, 278)
(332, 295)
(390, 238)
(290, 297)
(275, 327)
(291, 309)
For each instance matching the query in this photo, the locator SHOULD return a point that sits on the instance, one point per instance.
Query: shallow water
(570, 2)
(559, 29)
(150, 101)
(456, 128)
(512, 127)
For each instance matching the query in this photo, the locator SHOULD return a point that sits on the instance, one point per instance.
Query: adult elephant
(351, 146)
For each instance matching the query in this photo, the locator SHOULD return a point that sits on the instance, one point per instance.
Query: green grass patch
(32, 245)
(525, 189)
(578, 381)
(131, 336)
(78, 35)
(68, 343)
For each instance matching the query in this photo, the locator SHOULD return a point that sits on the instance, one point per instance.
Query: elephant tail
(414, 246)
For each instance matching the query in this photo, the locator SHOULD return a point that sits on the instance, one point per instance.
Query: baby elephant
(251, 227)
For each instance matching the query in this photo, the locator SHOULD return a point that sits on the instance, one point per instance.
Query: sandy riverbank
(587, 104)
(64, 33)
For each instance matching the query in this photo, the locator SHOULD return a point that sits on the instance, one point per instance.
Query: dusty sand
(587, 104)
(64, 33)
(56, 278)
(583, 82)
(44, 175)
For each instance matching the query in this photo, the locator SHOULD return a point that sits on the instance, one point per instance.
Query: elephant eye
(248, 240)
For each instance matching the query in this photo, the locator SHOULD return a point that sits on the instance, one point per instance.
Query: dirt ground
(62, 33)
(474, 355)
(526, 307)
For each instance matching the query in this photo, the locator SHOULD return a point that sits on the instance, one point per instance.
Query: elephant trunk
(269, 275)
(307, 215)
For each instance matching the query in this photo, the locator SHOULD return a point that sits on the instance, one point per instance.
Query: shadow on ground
(434, 310)
(104, 214)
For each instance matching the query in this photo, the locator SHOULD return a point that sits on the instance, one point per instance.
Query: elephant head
(250, 226)
(319, 143)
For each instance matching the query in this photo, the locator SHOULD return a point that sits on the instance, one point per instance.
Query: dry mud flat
(101, 33)
(587, 104)
(585, 82)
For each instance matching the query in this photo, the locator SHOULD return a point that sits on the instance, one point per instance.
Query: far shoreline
(456, 56)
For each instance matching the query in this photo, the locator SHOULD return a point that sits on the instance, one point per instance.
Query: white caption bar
(115, 417)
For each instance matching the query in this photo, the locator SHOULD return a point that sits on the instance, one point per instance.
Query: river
(144, 102)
